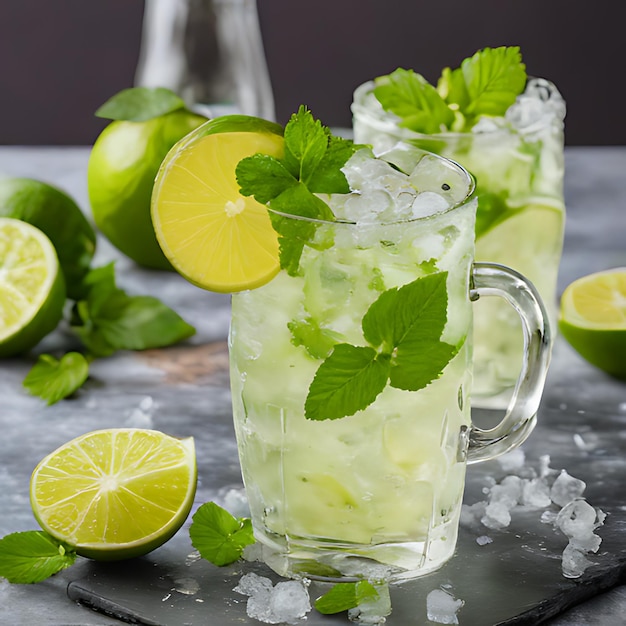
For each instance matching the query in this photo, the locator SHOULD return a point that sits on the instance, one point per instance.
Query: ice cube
(428, 203)
(442, 607)
(483, 540)
(508, 491)
(574, 562)
(576, 519)
(566, 488)
(497, 515)
(289, 602)
(235, 502)
(471, 514)
(251, 583)
(286, 603)
(536, 493)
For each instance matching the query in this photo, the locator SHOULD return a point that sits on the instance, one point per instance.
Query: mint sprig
(485, 84)
(403, 327)
(32, 556)
(106, 320)
(218, 536)
(138, 104)
(311, 164)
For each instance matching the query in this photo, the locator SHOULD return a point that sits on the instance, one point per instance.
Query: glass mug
(518, 164)
(376, 494)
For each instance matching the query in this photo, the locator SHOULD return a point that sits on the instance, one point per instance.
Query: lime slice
(32, 289)
(593, 319)
(213, 236)
(57, 215)
(115, 493)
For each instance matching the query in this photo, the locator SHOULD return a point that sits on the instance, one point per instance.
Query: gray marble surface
(184, 390)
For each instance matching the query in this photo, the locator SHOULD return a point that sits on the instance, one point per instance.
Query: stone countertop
(184, 391)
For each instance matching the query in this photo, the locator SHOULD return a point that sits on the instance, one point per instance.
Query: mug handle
(491, 279)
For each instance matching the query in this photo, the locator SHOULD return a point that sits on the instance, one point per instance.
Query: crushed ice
(287, 602)
(558, 493)
(442, 607)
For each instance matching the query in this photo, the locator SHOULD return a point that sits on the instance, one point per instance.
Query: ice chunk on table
(442, 607)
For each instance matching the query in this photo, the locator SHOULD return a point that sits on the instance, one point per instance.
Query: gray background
(61, 59)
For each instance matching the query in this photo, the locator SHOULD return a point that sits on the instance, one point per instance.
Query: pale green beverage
(381, 293)
(517, 160)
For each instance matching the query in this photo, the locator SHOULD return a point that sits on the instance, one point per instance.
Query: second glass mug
(376, 494)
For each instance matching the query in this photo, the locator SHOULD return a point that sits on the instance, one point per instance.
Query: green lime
(593, 319)
(122, 167)
(215, 237)
(59, 217)
(32, 289)
(115, 493)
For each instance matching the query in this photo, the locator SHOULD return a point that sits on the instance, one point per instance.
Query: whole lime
(123, 164)
(58, 216)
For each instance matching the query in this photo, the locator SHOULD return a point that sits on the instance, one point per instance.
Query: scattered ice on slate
(235, 501)
(442, 607)
(373, 611)
(558, 493)
(287, 602)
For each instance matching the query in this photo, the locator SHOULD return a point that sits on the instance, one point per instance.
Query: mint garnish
(311, 164)
(344, 596)
(108, 319)
(32, 556)
(54, 379)
(139, 104)
(105, 321)
(403, 327)
(218, 536)
(485, 84)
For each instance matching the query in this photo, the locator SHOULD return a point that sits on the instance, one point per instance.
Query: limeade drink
(385, 483)
(508, 132)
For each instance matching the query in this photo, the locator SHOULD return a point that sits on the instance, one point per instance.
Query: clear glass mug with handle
(351, 380)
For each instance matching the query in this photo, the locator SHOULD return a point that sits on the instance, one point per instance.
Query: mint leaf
(318, 342)
(218, 536)
(139, 104)
(404, 317)
(109, 320)
(409, 96)
(414, 368)
(327, 176)
(264, 177)
(492, 209)
(306, 142)
(52, 379)
(452, 88)
(494, 78)
(344, 596)
(349, 380)
(32, 556)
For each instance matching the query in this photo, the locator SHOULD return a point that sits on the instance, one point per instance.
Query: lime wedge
(32, 289)
(216, 238)
(115, 493)
(593, 319)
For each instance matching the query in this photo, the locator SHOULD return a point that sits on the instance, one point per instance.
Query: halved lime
(593, 319)
(216, 238)
(58, 216)
(32, 289)
(115, 493)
